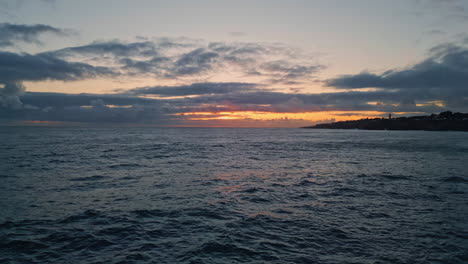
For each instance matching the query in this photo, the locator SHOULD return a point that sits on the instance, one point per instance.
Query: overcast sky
(230, 63)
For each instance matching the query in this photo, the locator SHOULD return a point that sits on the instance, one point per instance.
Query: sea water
(224, 195)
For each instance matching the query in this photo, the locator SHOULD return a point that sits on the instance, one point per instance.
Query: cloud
(283, 71)
(433, 85)
(268, 101)
(115, 48)
(16, 68)
(239, 49)
(196, 61)
(62, 100)
(26, 67)
(195, 89)
(126, 107)
(289, 71)
(12, 33)
(444, 73)
(87, 108)
(439, 82)
(166, 58)
(162, 58)
(9, 95)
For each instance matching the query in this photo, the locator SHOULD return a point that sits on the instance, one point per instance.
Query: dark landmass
(445, 121)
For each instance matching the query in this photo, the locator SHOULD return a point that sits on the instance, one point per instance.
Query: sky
(254, 63)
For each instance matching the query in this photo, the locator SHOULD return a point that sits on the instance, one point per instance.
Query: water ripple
(147, 195)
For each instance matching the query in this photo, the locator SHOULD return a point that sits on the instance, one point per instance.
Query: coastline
(446, 121)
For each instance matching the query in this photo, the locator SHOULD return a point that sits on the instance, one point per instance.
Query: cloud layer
(440, 79)
(12, 33)
(262, 71)
(187, 59)
(195, 89)
(445, 71)
(16, 67)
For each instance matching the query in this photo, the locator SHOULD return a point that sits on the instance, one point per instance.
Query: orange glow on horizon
(41, 123)
(258, 115)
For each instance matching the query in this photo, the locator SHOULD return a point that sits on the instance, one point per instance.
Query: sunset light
(233, 131)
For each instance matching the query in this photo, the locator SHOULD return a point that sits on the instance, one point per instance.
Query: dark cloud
(61, 100)
(239, 49)
(195, 89)
(135, 58)
(160, 58)
(283, 71)
(131, 108)
(173, 58)
(157, 66)
(26, 67)
(9, 95)
(440, 82)
(444, 73)
(289, 71)
(268, 101)
(16, 68)
(194, 62)
(12, 33)
(92, 114)
(88, 108)
(432, 85)
(115, 48)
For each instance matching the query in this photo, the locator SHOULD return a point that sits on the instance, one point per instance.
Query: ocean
(232, 195)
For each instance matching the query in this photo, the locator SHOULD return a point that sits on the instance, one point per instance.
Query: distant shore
(445, 121)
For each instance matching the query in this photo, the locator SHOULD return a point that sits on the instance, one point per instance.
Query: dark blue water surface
(194, 195)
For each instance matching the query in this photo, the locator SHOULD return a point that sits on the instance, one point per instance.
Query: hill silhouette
(445, 121)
